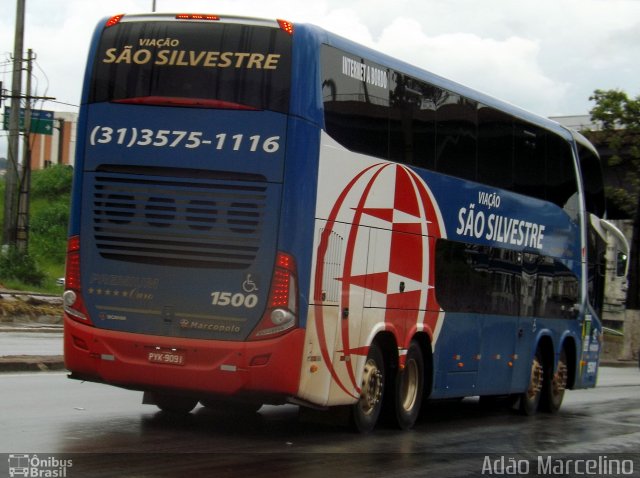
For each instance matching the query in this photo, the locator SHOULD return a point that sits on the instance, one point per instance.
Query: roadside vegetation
(39, 269)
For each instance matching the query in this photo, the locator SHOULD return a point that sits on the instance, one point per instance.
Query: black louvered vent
(183, 218)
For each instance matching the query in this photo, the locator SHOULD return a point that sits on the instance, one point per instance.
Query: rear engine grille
(179, 217)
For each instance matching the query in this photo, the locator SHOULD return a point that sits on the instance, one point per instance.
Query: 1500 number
(224, 299)
(161, 138)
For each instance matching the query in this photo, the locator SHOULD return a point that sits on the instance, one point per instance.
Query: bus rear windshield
(218, 65)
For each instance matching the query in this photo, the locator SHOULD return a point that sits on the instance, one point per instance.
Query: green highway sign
(41, 121)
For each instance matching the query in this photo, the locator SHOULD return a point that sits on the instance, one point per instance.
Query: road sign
(41, 121)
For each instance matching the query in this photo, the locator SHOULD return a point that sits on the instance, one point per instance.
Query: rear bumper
(269, 368)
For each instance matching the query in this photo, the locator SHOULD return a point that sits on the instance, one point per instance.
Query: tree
(619, 116)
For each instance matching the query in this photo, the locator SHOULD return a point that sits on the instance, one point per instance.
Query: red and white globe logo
(387, 271)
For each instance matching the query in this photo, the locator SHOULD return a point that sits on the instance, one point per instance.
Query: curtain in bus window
(456, 137)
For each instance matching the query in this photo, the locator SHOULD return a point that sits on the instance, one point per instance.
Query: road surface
(106, 431)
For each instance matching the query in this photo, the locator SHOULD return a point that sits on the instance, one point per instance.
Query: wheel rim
(559, 381)
(371, 387)
(410, 385)
(537, 375)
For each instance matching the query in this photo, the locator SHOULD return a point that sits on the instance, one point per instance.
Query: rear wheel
(530, 399)
(365, 413)
(554, 385)
(174, 403)
(409, 388)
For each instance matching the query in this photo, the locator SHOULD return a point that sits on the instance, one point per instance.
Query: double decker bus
(266, 212)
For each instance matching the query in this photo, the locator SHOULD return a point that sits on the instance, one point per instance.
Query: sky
(547, 56)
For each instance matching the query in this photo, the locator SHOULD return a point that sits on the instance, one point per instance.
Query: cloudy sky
(547, 56)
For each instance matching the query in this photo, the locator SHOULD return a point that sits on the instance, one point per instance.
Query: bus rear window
(219, 65)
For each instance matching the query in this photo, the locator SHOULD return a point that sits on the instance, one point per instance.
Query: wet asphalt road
(108, 432)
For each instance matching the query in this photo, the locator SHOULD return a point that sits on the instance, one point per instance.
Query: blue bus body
(180, 216)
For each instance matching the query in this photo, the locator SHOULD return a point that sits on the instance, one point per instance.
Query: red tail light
(114, 20)
(72, 299)
(286, 26)
(72, 277)
(197, 16)
(281, 314)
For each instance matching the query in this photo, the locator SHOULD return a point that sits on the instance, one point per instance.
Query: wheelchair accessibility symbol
(249, 285)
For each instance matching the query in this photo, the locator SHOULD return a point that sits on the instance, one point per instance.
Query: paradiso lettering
(175, 57)
(495, 227)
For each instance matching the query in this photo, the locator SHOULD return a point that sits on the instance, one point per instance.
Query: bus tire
(410, 387)
(366, 411)
(530, 398)
(174, 404)
(554, 385)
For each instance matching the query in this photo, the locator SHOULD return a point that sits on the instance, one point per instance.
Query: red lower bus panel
(269, 367)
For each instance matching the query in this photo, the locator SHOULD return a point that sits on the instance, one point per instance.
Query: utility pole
(11, 178)
(60, 129)
(22, 239)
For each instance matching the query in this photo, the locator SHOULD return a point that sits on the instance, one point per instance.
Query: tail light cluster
(72, 298)
(281, 314)
(285, 25)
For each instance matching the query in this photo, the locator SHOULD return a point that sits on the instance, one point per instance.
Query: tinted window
(488, 280)
(562, 186)
(227, 63)
(591, 169)
(412, 121)
(356, 105)
(456, 131)
(529, 162)
(495, 148)
(596, 252)
(386, 114)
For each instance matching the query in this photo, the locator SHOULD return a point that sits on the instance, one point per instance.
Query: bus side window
(592, 180)
(356, 114)
(562, 185)
(529, 165)
(412, 121)
(456, 137)
(495, 148)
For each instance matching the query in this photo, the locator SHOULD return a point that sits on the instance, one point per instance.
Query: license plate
(172, 357)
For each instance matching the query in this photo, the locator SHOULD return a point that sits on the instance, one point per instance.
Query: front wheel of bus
(410, 387)
(365, 413)
(530, 399)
